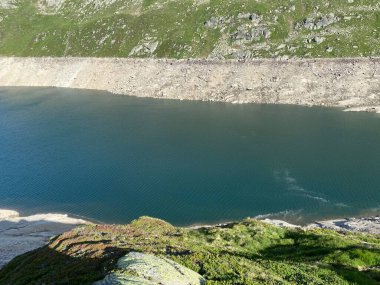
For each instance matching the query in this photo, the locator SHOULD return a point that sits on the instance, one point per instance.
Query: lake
(114, 158)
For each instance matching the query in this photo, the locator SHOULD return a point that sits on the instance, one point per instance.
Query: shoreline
(359, 224)
(22, 234)
(349, 83)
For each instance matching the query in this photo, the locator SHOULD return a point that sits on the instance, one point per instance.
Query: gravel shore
(352, 84)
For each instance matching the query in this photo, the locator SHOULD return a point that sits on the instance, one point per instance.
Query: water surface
(115, 158)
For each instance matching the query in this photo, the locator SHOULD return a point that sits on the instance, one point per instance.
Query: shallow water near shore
(115, 158)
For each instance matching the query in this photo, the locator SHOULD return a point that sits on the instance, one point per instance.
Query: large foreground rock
(145, 269)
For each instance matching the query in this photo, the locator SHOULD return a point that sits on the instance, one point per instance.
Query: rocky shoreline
(351, 83)
(370, 225)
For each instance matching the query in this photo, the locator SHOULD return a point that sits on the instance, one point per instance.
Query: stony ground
(246, 252)
(190, 28)
(352, 84)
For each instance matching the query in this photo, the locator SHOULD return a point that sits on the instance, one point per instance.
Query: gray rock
(214, 22)
(319, 40)
(254, 17)
(249, 35)
(308, 23)
(320, 23)
(243, 15)
(242, 34)
(256, 34)
(145, 269)
(266, 34)
(249, 16)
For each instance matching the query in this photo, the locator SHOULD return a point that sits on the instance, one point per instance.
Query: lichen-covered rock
(146, 269)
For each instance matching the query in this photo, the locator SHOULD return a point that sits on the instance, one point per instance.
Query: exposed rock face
(146, 269)
(347, 83)
(21, 234)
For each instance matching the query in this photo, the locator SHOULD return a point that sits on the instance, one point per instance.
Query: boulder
(145, 269)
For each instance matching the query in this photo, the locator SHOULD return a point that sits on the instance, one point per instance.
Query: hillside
(246, 252)
(190, 28)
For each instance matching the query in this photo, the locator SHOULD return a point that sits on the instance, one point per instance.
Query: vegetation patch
(246, 252)
(190, 29)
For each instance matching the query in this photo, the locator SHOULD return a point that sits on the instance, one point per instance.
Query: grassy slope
(115, 27)
(248, 252)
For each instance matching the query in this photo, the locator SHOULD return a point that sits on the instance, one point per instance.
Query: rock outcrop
(146, 269)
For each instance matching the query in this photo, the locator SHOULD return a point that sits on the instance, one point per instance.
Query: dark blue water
(115, 158)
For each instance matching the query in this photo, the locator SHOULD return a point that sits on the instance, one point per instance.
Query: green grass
(247, 252)
(113, 30)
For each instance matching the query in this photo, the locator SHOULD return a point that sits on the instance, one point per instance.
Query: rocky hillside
(190, 28)
(246, 252)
